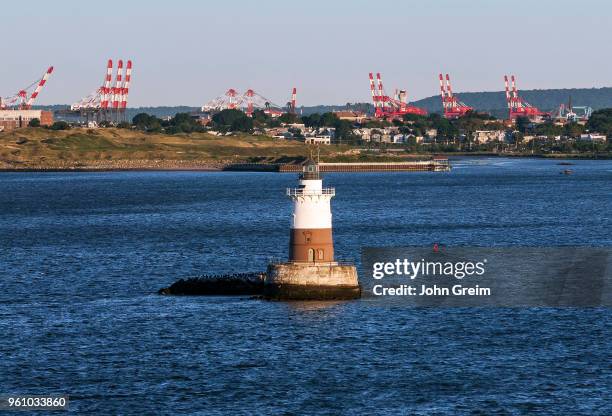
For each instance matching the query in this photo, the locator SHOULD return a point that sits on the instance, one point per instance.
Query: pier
(435, 165)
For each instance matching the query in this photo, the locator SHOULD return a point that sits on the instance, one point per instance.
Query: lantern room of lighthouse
(311, 238)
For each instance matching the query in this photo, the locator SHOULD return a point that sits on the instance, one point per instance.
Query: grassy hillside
(119, 148)
(82, 147)
(107, 149)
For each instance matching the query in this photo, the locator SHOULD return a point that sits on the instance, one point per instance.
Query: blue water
(82, 255)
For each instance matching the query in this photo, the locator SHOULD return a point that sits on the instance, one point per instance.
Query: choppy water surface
(82, 254)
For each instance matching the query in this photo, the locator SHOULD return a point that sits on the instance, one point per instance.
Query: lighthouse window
(307, 236)
(311, 254)
(320, 252)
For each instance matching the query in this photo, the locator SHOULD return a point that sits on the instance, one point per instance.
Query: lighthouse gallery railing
(303, 192)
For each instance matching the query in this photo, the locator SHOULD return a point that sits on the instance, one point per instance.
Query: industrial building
(12, 119)
(354, 116)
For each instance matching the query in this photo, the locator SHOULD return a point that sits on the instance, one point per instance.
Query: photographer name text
(429, 269)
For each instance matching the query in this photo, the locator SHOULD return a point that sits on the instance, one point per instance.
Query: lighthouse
(311, 238)
(311, 271)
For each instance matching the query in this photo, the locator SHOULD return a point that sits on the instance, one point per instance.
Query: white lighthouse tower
(311, 271)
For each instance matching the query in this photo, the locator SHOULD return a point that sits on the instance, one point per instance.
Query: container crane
(387, 107)
(292, 103)
(22, 99)
(247, 102)
(517, 106)
(107, 97)
(453, 108)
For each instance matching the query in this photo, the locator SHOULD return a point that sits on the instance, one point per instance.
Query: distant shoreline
(100, 150)
(182, 166)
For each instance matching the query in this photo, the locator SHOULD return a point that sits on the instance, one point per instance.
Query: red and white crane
(22, 99)
(517, 106)
(106, 86)
(229, 100)
(292, 108)
(126, 85)
(248, 102)
(118, 88)
(107, 98)
(453, 108)
(387, 107)
(248, 97)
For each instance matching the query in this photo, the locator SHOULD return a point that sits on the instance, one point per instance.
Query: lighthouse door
(311, 255)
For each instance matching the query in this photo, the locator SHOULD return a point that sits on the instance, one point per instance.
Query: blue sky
(186, 52)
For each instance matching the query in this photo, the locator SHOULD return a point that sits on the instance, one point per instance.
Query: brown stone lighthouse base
(311, 281)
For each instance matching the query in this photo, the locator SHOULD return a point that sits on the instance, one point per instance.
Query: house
(286, 135)
(528, 139)
(299, 126)
(326, 140)
(278, 132)
(593, 137)
(363, 133)
(485, 136)
(323, 131)
(324, 135)
(431, 133)
(380, 136)
(366, 134)
(202, 119)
